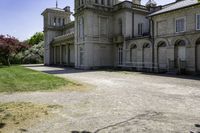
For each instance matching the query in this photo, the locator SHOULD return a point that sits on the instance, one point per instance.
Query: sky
(22, 18)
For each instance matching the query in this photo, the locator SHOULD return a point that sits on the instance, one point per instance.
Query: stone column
(54, 55)
(60, 54)
(124, 53)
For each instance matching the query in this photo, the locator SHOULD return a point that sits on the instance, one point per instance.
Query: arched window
(180, 43)
(146, 45)
(161, 44)
(198, 42)
(133, 53)
(133, 46)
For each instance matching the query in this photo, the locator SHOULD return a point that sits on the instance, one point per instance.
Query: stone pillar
(54, 55)
(155, 57)
(124, 53)
(60, 54)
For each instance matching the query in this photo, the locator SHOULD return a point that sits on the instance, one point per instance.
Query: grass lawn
(19, 79)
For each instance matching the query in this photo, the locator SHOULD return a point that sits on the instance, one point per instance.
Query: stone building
(125, 34)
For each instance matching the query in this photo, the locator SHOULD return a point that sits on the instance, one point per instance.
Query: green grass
(20, 79)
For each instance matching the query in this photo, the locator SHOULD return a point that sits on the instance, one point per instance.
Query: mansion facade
(125, 34)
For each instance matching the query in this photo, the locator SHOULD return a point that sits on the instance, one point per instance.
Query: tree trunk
(8, 61)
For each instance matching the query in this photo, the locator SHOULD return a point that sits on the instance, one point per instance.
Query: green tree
(36, 38)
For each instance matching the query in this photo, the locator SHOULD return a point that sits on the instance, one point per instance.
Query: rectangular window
(54, 22)
(198, 22)
(180, 25)
(63, 21)
(140, 29)
(96, 1)
(109, 3)
(81, 28)
(102, 2)
(59, 22)
(103, 26)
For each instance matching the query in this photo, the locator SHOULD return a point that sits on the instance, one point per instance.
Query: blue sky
(22, 18)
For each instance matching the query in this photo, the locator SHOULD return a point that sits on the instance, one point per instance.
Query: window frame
(140, 29)
(184, 30)
(103, 2)
(197, 21)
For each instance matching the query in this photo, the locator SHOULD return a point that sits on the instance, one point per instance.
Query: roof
(53, 9)
(176, 6)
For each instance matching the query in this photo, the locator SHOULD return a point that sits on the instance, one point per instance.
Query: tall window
(120, 26)
(96, 1)
(103, 26)
(81, 28)
(180, 25)
(63, 23)
(140, 29)
(198, 22)
(54, 22)
(102, 2)
(59, 21)
(109, 3)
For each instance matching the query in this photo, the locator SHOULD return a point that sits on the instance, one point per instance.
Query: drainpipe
(153, 43)
(133, 24)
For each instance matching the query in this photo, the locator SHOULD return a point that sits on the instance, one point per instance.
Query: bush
(34, 55)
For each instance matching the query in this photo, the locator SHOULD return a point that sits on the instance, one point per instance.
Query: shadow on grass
(3, 66)
(2, 125)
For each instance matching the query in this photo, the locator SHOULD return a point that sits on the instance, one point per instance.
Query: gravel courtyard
(118, 102)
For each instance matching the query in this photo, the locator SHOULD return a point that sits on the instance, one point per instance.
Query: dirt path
(121, 102)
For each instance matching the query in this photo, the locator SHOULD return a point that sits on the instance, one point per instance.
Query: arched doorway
(133, 55)
(180, 53)
(162, 55)
(198, 55)
(147, 58)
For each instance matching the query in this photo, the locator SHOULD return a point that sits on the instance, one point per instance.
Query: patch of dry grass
(14, 115)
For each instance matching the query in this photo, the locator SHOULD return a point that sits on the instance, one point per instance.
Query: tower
(93, 20)
(54, 21)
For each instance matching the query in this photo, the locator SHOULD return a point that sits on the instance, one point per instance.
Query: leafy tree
(36, 38)
(9, 47)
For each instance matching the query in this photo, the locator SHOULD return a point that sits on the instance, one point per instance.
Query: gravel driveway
(120, 102)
